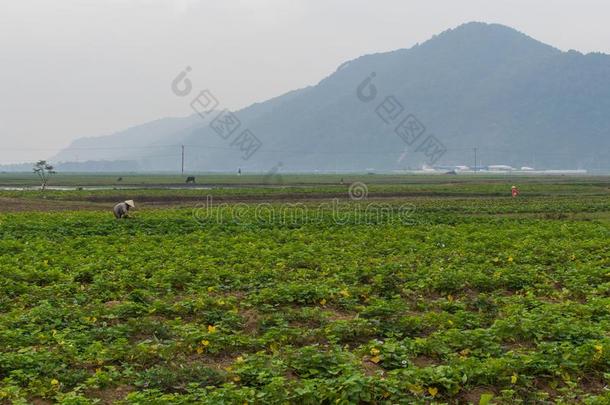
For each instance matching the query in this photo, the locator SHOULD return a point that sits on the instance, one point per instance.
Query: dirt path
(97, 203)
(106, 202)
(23, 204)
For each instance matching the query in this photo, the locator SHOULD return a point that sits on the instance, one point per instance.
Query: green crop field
(426, 292)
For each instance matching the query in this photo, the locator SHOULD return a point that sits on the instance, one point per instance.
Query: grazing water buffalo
(190, 179)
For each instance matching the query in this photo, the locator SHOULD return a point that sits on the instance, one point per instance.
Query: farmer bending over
(121, 210)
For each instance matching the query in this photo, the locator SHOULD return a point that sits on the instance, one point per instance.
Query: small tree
(44, 171)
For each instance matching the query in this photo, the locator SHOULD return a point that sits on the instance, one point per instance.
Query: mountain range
(518, 101)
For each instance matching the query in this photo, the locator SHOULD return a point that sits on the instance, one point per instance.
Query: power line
(292, 151)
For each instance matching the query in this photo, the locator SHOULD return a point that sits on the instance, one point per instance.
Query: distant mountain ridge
(518, 101)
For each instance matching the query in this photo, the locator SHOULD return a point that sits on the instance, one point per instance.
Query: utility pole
(533, 161)
(182, 159)
(475, 160)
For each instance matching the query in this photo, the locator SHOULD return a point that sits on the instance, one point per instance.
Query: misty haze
(304, 202)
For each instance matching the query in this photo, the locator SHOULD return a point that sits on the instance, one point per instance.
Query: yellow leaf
(344, 293)
(415, 389)
(211, 329)
(54, 382)
(375, 359)
(236, 378)
(239, 359)
(510, 259)
(513, 379)
(323, 301)
(598, 351)
(433, 391)
(199, 350)
(205, 342)
(374, 351)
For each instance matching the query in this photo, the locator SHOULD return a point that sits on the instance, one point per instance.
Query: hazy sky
(74, 68)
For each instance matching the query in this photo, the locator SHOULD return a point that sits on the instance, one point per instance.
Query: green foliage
(454, 308)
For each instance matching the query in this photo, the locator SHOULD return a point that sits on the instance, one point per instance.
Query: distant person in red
(514, 191)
